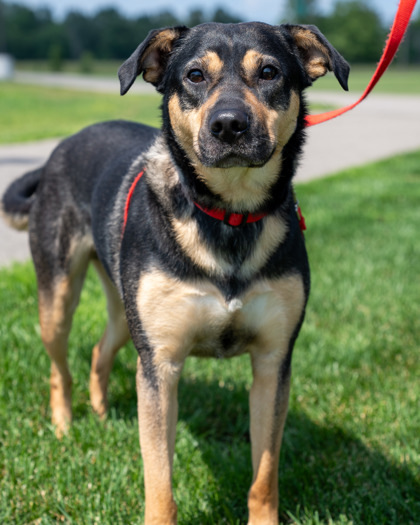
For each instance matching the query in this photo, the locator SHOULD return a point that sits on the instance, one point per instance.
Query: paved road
(80, 82)
(382, 126)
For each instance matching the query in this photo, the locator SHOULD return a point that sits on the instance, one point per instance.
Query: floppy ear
(150, 58)
(317, 54)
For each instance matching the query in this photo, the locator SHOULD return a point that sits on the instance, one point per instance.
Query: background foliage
(354, 27)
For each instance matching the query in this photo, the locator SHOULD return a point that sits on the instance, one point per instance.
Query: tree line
(35, 34)
(354, 27)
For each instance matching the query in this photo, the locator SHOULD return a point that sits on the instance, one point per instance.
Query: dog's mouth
(247, 154)
(233, 160)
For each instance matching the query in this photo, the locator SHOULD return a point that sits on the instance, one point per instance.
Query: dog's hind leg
(61, 249)
(115, 336)
(57, 303)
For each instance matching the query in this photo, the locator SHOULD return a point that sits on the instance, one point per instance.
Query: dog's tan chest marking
(186, 230)
(193, 318)
(188, 236)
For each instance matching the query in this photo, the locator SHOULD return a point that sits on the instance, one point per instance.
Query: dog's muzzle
(232, 137)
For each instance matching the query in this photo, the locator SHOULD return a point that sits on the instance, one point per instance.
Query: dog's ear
(150, 58)
(317, 54)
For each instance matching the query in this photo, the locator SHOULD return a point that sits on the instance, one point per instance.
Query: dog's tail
(18, 199)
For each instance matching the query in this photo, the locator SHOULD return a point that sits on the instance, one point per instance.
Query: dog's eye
(268, 73)
(195, 76)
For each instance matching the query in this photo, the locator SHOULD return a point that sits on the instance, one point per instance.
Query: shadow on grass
(324, 470)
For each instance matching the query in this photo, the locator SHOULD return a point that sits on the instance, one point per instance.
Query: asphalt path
(382, 126)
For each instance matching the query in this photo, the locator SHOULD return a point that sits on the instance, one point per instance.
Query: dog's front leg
(158, 414)
(268, 408)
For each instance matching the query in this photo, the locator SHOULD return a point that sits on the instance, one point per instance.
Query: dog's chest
(193, 318)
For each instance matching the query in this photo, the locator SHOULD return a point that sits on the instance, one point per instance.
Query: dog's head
(232, 96)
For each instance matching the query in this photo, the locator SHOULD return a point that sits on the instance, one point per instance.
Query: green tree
(81, 34)
(409, 53)
(356, 30)
(165, 19)
(114, 34)
(222, 16)
(31, 33)
(86, 62)
(195, 18)
(55, 57)
(301, 11)
(3, 46)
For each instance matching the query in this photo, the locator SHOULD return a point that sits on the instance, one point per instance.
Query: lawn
(397, 80)
(35, 112)
(351, 447)
(107, 68)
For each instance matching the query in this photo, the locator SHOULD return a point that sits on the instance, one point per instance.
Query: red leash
(399, 27)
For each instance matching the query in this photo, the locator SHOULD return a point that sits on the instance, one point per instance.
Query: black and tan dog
(192, 229)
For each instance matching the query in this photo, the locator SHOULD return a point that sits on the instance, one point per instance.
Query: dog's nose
(228, 124)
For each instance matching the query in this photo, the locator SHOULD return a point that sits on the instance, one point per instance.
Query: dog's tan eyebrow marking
(212, 63)
(251, 61)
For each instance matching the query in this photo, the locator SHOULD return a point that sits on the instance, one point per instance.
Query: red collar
(233, 219)
(238, 219)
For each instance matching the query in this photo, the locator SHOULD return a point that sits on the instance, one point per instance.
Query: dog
(192, 229)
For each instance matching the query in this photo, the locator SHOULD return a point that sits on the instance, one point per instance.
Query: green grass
(34, 112)
(99, 67)
(397, 80)
(351, 447)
